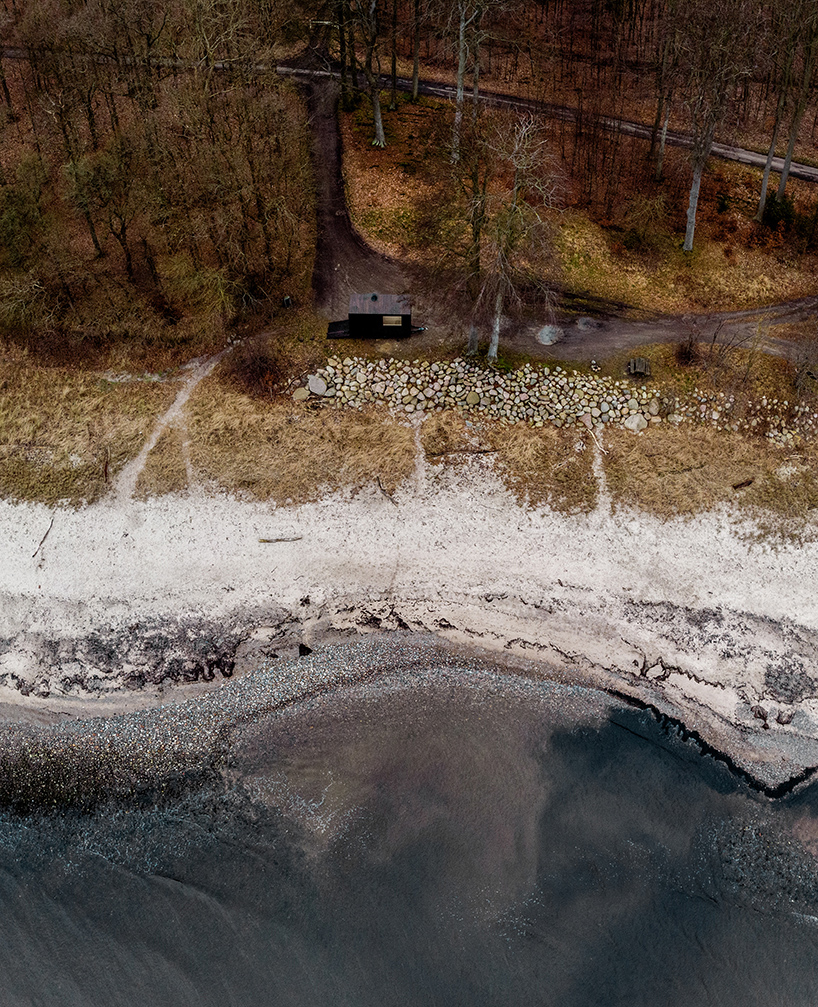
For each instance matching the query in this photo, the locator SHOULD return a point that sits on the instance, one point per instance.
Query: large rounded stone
(636, 422)
(300, 394)
(549, 334)
(317, 385)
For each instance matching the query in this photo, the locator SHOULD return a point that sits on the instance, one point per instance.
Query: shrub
(259, 367)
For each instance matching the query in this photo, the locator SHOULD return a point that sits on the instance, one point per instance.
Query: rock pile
(538, 395)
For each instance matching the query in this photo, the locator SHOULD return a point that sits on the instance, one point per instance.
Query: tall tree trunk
(121, 234)
(393, 101)
(800, 108)
(475, 76)
(93, 232)
(660, 156)
(477, 222)
(416, 58)
(372, 86)
(693, 202)
(353, 71)
(474, 341)
(342, 53)
(660, 104)
(494, 341)
(657, 125)
(461, 75)
(796, 125)
(375, 98)
(765, 178)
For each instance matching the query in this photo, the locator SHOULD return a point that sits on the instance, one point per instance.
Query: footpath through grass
(64, 435)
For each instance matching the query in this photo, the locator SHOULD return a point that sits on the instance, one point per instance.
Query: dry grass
(64, 435)
(669, 472)
(546, 466)
(445, 435)
(292, 453)
(165, 470)
(722, 273)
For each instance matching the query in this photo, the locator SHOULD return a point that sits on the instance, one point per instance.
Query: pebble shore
(81, 762)
(540, 395)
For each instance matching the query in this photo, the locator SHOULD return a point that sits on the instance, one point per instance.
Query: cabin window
(392, 320)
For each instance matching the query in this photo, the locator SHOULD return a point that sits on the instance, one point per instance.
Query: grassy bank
(64, 434)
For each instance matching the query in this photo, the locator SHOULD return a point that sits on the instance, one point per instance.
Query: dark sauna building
(379, 316)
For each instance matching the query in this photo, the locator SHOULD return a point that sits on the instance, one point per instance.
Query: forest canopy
(155, 173)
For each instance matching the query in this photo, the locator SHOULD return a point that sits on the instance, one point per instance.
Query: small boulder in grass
(300, 394)
(636, 423)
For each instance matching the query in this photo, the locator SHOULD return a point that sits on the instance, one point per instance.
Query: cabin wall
(372, 327)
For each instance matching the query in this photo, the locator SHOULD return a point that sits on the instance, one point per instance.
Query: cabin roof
(379, 304)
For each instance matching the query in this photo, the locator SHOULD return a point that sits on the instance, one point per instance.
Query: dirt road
(344, 262)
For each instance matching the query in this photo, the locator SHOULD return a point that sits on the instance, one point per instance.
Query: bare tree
(667, 79)
(364, 18)
(420, 14)
(514, 223)
(465, 15)
(808, 34)
(717, 52)
(785, 26)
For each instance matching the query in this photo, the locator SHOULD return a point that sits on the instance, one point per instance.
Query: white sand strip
(686, 614)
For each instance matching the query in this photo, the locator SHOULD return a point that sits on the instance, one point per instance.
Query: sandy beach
(127, 604)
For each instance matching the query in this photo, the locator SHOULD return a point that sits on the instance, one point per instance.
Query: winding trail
(127, 479)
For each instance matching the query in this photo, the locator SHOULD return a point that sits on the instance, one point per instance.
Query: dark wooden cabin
(379, 316)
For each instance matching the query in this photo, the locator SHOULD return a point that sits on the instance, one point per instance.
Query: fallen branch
(604, 452)
(283, 538)
(39, 547)
(463, 451)
(387, 495)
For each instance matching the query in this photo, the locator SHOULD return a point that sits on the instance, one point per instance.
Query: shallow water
(433, 837)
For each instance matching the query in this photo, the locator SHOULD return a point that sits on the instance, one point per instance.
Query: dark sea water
(427, 839)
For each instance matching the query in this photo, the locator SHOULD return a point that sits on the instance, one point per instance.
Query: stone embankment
(545, 395)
